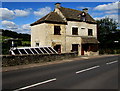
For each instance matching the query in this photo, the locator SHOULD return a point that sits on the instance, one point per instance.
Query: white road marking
(87, 69)
(112, 62)
(35, 84)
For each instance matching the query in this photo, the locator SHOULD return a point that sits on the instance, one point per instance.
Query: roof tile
(70, 14)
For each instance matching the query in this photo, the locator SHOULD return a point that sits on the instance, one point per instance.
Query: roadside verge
(4, 69)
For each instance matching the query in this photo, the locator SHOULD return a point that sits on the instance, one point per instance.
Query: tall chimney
(57, 5)
(85, 10)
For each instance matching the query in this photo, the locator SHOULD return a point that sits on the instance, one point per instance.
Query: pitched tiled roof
(70, 14)
(51, 17)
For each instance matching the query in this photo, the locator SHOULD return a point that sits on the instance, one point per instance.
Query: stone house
(66, 30)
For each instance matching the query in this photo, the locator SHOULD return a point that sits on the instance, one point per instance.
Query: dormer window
(83, 14)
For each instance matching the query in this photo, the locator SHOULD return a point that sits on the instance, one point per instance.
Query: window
(57, 30)
(90, 32)
(74, 48)
(93, 47)
(74, 31)
(58, 48)
(37, 44)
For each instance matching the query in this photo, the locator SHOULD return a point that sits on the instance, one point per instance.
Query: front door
(82, 50)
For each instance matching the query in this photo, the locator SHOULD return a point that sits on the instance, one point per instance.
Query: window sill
(75, 34)
(90, 35)
(57, 34)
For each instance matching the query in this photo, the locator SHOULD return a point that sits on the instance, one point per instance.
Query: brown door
(58, 48)
(82, 50)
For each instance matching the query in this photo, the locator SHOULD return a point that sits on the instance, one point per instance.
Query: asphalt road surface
(96, 73)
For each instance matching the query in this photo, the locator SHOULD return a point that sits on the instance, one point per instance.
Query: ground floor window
(90, 47)
(37, 44)
(74, 47)
(93, 47)
(58, 48)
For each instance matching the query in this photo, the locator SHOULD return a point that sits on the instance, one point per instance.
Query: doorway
(82, 51)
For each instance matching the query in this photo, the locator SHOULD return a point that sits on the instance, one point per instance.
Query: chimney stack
(57, 5)
(85, 10)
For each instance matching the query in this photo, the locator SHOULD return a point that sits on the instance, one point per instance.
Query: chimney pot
(85, 10)
(57, 5)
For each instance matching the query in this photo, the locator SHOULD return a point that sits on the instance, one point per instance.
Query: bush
(109, 51)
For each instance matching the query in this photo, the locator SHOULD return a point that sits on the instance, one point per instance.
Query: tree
(108, 34)
(7, 35)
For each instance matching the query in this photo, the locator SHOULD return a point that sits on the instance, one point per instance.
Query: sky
(17, 16)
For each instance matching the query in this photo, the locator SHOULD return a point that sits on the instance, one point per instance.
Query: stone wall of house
(10, 60)
(38, 34)
(82, 31)
(44, 35)
(53, 40)
(90, 53)
(82, 28)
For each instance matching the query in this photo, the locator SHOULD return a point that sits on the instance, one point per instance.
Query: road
(95, 73)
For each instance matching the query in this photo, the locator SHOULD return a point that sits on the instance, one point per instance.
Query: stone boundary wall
(12, 60)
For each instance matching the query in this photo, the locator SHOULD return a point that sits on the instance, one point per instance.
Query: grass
(5, 37)
(25, 42)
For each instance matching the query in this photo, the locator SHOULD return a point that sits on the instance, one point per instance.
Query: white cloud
(97, 13)
(82, 7)
(24, 29)
(113, 16)
(110, 6)
(7, 14)
(98, 18)
(21, 13)
(112, 11)
(42, 11)
(14, 27)
(9, 25)
(26, 26)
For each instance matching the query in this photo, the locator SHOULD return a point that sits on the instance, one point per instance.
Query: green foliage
(12, 34)
(107, 35)
(23, 40)
(109, 51)
(26, 43)
(106, 26)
